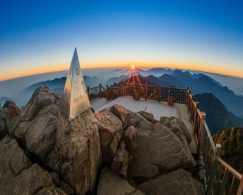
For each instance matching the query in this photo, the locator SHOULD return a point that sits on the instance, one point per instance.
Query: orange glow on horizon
(56, 68)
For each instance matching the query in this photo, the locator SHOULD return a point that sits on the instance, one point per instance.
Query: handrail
(209, 136)
(209, 154)
(231, 169)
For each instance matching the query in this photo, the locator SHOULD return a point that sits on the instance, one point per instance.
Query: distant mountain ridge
(58, 83)
(198, 84)
(217, 115)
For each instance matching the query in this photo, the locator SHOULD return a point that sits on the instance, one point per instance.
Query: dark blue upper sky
(40, 36)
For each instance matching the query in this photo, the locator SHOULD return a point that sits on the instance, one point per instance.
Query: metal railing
(95, 92)
(215, 182)
(153, 92)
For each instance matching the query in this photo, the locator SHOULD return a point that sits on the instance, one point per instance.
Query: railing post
(122, 88)
(202, 136)
(146, 91)
(223, 184)
(240, 189)
(214, 169)
(159, 92)
(100, 91)
(133, 89)
(192, 99)
(88, 91)
(107, 92)
(187, 95)
(195, 115)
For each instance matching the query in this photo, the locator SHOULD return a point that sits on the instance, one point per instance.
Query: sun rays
(133, 72)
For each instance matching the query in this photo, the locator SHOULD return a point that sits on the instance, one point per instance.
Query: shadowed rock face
(110, 129)
(177, 126)
(77, 153)
(176, 182)
(111, 183)
(148, 116)
(19, 175)
(8, 114)
(130, 138)
(159, 150)
(35, 126)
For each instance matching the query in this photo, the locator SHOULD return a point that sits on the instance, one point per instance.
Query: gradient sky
(40, 36)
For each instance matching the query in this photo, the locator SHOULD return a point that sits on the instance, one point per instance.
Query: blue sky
(40, 36)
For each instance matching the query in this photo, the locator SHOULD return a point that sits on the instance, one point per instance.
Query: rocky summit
(112, 152)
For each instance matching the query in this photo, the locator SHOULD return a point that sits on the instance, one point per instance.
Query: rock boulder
(35, 127)
(159, 151)
(130, 138)
(77, 152)
(134, 118)
(120, 112)
(111, 183)
(110, 130)
(8, 114)
(149, 116)
(176, 182)
(120, 160)
(177, 126)
(18, 175)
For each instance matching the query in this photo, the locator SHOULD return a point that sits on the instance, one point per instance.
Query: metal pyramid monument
(75, 97)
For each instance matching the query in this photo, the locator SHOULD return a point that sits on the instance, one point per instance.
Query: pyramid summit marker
(75, 98)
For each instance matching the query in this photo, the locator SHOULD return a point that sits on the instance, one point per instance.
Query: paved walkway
(157, 108)
(98, 103)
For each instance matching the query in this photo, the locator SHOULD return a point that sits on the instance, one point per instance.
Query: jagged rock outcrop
(120, 112)
(177, 126)
(41, 100)
(120, 160)
(8, 114)
(66, 188)
(110, 130)
(133, 145)
(111, 183)
(51, 191)
(18, 175)
(159, 151)
(176, 182)
(130, 138)
(134, 118)
(70, 148)
(77, 153)
(35, 126)
(149, 116)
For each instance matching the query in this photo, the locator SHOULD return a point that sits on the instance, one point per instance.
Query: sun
(133, 66)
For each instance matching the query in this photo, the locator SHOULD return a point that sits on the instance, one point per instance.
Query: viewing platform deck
(155, 99)
(157, 108)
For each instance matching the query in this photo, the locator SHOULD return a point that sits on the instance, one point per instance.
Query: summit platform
(157, 108)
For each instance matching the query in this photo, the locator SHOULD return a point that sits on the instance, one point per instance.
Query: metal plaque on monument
(75, 97)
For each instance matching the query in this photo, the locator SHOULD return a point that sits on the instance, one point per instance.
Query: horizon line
(122, 67)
